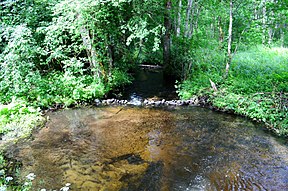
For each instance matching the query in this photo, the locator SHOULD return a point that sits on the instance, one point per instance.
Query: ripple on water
(117, 148)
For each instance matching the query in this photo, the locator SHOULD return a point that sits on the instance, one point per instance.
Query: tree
(167, 35)
(230, 30)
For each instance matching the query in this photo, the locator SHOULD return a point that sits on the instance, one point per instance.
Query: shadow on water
(151, 84)
(115, 148)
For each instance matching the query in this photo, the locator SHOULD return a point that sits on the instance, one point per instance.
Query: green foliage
(260, 70)
(269, 108)
(18, 71)
(256, 88)
(45, 60)
(17, 119)
(206, 64)
(118, 78)
(65, 89)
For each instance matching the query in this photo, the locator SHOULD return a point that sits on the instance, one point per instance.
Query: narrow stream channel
(136, 148)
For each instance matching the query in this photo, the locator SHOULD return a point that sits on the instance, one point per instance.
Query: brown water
(124, 148)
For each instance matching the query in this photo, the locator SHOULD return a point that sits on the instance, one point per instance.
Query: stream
(131, 148)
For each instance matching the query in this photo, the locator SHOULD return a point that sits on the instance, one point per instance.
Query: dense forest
(67, 52)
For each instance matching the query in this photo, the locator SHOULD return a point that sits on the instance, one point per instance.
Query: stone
(146, 102)
(109, 101)
(158, 103)
(179, 102)
(97, 102)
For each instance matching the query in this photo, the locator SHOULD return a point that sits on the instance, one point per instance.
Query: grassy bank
(257, 86)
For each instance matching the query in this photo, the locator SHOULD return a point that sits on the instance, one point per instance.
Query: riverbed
(137, 148)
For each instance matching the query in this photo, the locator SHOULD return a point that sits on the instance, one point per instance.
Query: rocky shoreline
(196, 101)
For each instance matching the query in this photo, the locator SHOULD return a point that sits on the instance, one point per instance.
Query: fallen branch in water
(150, 66)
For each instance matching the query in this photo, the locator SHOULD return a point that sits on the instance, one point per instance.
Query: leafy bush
(18, 72)
(17, 119)
(118, 78)
(267, 108)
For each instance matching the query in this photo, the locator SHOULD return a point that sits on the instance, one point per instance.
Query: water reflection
(150, 85)
(154, 149)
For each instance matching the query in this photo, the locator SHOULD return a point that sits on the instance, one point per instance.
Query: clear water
(126, 148)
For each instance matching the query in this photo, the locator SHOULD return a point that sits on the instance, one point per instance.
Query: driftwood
(213, 85)
(150, 66)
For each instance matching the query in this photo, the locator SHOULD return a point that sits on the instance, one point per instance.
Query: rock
(187, 102)
(110, 101)
(171, 103)
(158, 103)
(179, 102)
(97, 102)
(139, 102)
(104, 102)
(196, 101)
(146, 102)
(152, 102)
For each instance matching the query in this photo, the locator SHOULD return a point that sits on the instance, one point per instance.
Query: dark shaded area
(151, 180)
(152, 177)
(151, 83)
(131, 158)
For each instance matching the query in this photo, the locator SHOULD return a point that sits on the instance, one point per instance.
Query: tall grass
(260, 70)
(257, 85)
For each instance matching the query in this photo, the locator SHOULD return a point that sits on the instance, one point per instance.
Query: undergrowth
(257, 86)
(17, 120)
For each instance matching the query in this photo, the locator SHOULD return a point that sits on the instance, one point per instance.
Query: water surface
(150, 84)
(126, 148)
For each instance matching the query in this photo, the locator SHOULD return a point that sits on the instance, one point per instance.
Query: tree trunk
(191, 31)
(178, 30)
(282, 35)
(188, 12)
(229, 39)
(264, 22)
(111, 59)
(167, 40)
(221, 34)
(270, 35)
(198, 10)
(91, 51)
(271, 26)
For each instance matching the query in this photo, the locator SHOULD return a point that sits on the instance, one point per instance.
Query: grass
(257, 86)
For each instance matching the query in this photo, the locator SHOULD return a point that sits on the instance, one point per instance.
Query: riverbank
(257, 86)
